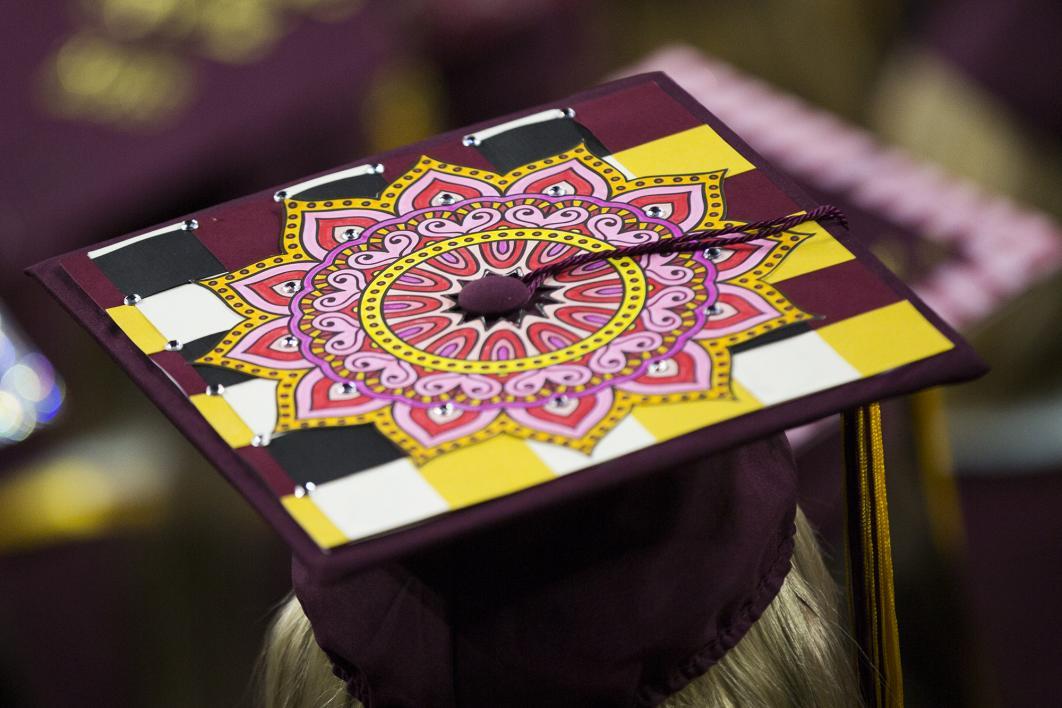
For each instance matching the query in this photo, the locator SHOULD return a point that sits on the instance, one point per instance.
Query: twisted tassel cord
(872, 597)
(691, 241)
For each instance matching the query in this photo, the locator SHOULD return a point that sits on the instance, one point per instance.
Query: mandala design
(358, 319)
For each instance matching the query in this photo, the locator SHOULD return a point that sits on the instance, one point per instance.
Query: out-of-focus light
(7, 350)
(23, 381)
(30, 392)
(16, 422)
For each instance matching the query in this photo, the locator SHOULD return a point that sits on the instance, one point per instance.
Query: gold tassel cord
(869, 554)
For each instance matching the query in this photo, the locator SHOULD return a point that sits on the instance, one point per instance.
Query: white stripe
(611, 159)
(357, 171)
(629, 435)
(180, 226)
(786, 370)
(378, 499)
(188, 312)
(552, 114)
(255, 402)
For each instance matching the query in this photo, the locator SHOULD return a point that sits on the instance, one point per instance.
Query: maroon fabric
(816, 292)
(184, 377)
(751, 196)
(612, 121)
(619, 599)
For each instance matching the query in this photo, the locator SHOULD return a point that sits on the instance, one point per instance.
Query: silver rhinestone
(470, 141)
(300, 491)
(713, 309)
(560, 400)
(712, 253)
(446, 199)
(173, 346)
(260, 440)
(280, 196)
(378, 168)
(346, 387)
(190, 225)
(290, 287)
(569, 112)
(310, 486)
(444, 409)
(347, 235)
(289, 341)
(658, 367)
(555, 191)
(215, 390)
(131, 299)
(654, 211)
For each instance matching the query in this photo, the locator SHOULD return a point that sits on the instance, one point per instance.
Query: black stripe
(529, 143)
(159, 263)
(772, 336)
(323, 454)
(346, 188)
(213, 375)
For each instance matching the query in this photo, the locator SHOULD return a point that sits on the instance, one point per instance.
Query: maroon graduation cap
(514, 393)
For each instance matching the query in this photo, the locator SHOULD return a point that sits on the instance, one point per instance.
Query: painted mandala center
(386, 309)
(589, 311)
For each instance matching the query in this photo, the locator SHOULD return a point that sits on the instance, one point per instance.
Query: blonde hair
(794, 656)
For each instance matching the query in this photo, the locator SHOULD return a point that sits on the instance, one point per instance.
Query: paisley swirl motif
(614, 356)
(348, 286)
(660, 311)
(610, 227)
(530, 383)
(476, 386)
(394, 245)
(664, 269)
(391, 372)
(438, 227)
(348, 335)
(530, 215)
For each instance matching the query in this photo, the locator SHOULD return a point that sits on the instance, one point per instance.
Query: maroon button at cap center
(493, 295)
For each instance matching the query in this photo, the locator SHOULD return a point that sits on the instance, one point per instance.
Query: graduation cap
(513, 395)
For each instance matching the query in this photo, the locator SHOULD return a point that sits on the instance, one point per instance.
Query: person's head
(796, 654)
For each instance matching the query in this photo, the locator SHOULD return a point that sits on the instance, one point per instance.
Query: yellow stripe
(695, 150)
(486, 470)
(137, 327)
(885, 338)
(223, 419)
(819, 251)
(670, 420)
(313, 521)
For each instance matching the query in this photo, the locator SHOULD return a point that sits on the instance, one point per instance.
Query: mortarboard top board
(323, 344)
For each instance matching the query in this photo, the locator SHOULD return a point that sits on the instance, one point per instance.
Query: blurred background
(132, 575)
